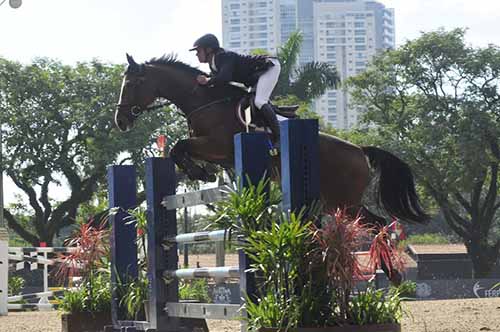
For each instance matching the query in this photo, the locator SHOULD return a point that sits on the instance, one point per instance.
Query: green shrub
(136, 292)
(374, 306)
(73, 301)
(426, 238)
(194, 290)
(407, 289)
(92, 296)
(15, 285)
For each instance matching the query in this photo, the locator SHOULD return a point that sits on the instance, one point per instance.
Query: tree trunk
(483, 257)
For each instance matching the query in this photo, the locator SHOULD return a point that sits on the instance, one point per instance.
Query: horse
(213, 122)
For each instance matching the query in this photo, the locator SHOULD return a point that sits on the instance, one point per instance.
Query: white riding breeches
(266, 83)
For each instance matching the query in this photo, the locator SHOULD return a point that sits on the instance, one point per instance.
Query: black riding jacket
(231, 66)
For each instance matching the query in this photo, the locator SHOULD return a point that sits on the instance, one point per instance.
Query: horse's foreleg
(202, 148)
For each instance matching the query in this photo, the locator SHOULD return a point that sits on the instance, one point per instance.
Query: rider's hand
(202, 79)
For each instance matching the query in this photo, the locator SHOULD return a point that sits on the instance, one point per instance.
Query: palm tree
(306, 82)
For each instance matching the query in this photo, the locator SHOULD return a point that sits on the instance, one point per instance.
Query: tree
(435, 101)
(58, 130)
(307, 82)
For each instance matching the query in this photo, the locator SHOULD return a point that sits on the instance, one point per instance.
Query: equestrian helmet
(206, 41)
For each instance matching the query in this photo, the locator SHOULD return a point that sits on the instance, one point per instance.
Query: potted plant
(87, 307)
(306, 267)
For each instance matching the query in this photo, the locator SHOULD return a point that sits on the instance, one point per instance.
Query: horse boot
(273, 123)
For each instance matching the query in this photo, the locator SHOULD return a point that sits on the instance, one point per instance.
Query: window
(234, 6)
(234, 44)
(235, 21)
(359, 40)
(258, 35)
(359, 32)
(235, 29)
(359, 24)
(360, 48)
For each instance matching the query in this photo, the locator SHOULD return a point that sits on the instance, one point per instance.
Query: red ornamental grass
(91, 247)
(383, 249)
(339, 240)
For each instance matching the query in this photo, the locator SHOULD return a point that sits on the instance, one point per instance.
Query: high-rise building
(344, 33)
(248, 25)
(347, 34)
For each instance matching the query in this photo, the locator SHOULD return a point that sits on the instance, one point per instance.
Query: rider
(226, 66)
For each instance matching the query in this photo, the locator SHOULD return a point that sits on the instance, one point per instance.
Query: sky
(81, 30)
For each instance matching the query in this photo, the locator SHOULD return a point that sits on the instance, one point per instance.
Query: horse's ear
(133, 67)
(130, 60)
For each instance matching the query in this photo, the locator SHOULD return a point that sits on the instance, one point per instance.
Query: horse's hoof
(273, 152)
(211, 178)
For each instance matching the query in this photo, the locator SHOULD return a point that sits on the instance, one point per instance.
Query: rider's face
(201, 53)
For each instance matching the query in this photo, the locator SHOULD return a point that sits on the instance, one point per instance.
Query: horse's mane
(171, 60)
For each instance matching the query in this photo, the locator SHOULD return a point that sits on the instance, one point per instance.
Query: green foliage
(251, 206)
(374, 306)
(73, 301)
(306, 82)
(196, 289)
(427, 238)
(407, 289)
(435, 102)
(135, 295)
(266, 312)
(304, 274)
(15, 285)
(94, 298)
(58, 128)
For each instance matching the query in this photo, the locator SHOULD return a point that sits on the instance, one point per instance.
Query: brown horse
(344, 170)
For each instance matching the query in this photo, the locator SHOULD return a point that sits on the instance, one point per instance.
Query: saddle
(250, 116)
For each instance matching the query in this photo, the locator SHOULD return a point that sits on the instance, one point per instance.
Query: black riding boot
(273, 123)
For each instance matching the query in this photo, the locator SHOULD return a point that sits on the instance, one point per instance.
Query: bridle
(136, 109)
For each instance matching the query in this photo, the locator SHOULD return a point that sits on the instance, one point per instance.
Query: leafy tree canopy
(58, 129)
(435, 102)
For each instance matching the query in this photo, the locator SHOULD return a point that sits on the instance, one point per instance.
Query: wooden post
(122, 195)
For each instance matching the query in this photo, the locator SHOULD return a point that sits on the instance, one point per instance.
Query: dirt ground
(469, 315)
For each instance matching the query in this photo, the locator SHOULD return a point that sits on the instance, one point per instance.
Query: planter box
(345, 328)
(85, 321)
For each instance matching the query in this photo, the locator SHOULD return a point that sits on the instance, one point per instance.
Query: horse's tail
(395, 192)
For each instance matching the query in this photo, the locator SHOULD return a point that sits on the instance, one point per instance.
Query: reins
(203, 107)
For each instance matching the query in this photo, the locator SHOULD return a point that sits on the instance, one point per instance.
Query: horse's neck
(179, 89)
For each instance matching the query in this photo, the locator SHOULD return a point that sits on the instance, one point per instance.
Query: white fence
(17, 258)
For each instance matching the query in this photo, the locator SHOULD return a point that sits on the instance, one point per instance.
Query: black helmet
(206, 41)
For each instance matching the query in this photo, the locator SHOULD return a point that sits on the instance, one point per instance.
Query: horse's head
(136, 94)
